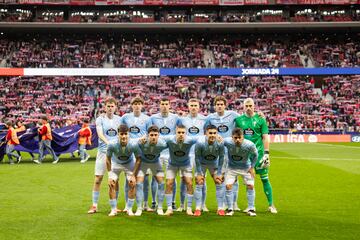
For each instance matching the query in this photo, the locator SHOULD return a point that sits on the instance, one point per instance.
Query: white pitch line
(335, 145)
(321, 159)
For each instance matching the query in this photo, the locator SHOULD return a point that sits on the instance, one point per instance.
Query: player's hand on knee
(219, 139)
(142, 140)
(132, 181)
(252, 172)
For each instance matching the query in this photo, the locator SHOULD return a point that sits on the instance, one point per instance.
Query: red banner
(232, 2)
(256, 2)
(178, 2)
(131, 2)
(339, 2)
(308, 138)
(153, 2)
(81, 2)
(286, 2)
(206, 2)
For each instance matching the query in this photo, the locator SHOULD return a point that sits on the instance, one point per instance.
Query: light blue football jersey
(110, 130)
(243, 156)
(123, 155)
(225, 124)
(136, 125)
(167, 125)
(194, 125)
(179, 152)
(206, 154)
(150, 153)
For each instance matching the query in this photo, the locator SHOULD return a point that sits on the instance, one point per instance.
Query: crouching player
(242, 156)
(209, 155)
(179, 149)
(150, 151)
(120, 158)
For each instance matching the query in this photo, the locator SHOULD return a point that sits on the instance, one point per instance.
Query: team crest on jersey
(223, 128)
(150, 156)
(236, 158)
(194, 130)
(179, 153)
(165, 130)
(111, 132)
(134, 129)
(210, 157)
(248, 131)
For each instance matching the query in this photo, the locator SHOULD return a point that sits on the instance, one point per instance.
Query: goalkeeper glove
(265, 161)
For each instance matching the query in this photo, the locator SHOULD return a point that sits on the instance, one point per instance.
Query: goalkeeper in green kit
(256, 130)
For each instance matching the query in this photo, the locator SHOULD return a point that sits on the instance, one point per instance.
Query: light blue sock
(229, 194)
(130, 204)
(95, 197)
(139, 194)
(169, 198)
(113, 204)
(146, 188)
(251, 198)
(174, 191)
(204, 190)
(126, 190)
(220, 193)
(236, 191)
(198, 196)
(161, 192)
(154, 187)
(189, 200)
(182, 192)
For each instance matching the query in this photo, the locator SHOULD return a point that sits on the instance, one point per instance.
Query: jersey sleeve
(264, 126)
(221, 158)
(254, 155)
(110, 150)
(198, 148)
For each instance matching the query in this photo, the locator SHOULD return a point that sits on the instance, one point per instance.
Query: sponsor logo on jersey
(111, 132)
(236, 158)
(165, 130)
(248, 131)
(123, 157)
(210, 157)
(134, 129)
(179, 153)
(150, 156)
(223, 128)
(194, 130)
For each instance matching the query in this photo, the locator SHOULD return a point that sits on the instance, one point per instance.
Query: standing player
(166, 122)
(224, 121)
(45, 142)
(256, 130)
(136, 121)
(194, 123)
(107, 130)
(179, 148)
(242, 156)
(20, 127)
(150, 154)
(120, 158)
(209, 155)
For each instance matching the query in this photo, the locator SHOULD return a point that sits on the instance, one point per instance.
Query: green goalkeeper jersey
(253, 127)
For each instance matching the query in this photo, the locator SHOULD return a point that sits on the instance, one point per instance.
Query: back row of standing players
(137, 144)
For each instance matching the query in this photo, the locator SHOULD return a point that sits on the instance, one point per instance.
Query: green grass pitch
(316, 190)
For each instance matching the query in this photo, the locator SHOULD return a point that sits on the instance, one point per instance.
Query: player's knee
(250, 187)
(111, 184)
(228, 186)
(98, 180)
